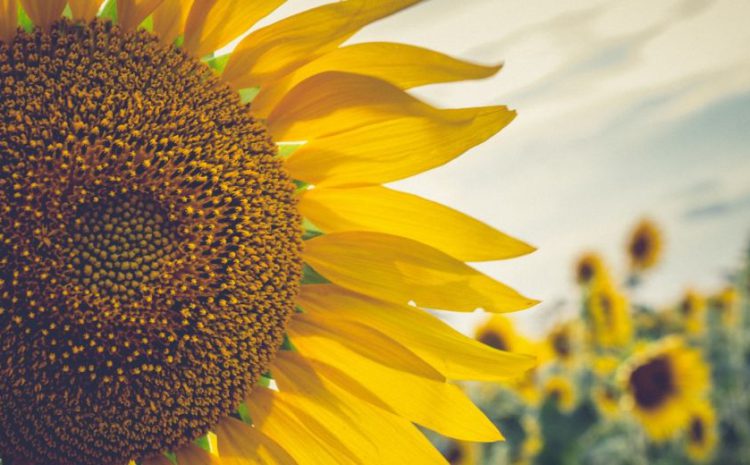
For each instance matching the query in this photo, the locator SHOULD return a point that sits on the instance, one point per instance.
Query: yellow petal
(402, 270)
(170, 18)
(432, 403)
(85, 10)
(403, 65)
(393, 437)
(278, 49)
(44, 12)
(359, 343)
(383, 210)
(334, 102)
(157, 460)
(212, 24)
(131, 13)
(453, 354)
(241, 444)
(8, 21)
(191, 454)
(304, 440)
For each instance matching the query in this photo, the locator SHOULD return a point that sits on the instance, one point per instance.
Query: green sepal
(310, 276)
(109, 11)
(203, 443)
(248, 94)
(148, 24)
(24, 21)
(218, 63)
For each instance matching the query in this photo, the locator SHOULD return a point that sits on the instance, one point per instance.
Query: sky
(625, 109)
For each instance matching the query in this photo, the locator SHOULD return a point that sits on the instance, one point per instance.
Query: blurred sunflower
(589, 267)
(606, 399)
(662, 381)
(644, 246)
(532, 440)
(461, 453)
(152, 247)
(561, 343)
(701, 434)
(609, 313)
(561, 390)
(692, 312)
(726, 305)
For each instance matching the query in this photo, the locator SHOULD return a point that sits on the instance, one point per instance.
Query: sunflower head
(151, 236)
(461, 453)
(589, 268)
(725, 305)
(661, 382)
(644, 245)
(561, 391)
(609, 315)
(606, 399)
(499, 333)
(701, 434)
(692, 311)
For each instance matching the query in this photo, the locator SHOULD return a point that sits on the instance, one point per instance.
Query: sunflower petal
(402, 270)
(44, 12)
(212, 24)
(360, 342)
(84, 10)
(334, 102)
(241, 444)
(170, 18)
(410, 216)
(191, 454)
(393, 150)
(8, 21)
(433, 404)
(278, 49)
(453, 354)
(294, 374)
(403, 65)
(302, 440)
(131, 13)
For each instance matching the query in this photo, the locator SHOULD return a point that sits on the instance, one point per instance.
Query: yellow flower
(562, 343)
(562, 391)
(532, 440)
(199, 261)
(726, 305)
(589, 268)
(461, 453)
(701, 434)
(661, 381)
(607, 399)
(692, 312)
(644, 245)
(609, 313)
(499, 333)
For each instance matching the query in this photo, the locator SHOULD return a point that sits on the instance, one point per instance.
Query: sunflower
(692, 312)
(701, 435)
(561, 390)
(606, 399)
(561, 343)
(725, 305)
(532, 441)
(644, 246)
(609, 312)
(589, 268)
(461, 453)
(661, 382)
(198, 262)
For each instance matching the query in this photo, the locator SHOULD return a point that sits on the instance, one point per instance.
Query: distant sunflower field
(624, 382)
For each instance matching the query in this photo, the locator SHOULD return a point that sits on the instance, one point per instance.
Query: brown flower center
(652, 383)
(149, 247)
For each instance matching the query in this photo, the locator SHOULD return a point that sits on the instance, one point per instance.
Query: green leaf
(109, 11)
(24, 21)
(218, 63)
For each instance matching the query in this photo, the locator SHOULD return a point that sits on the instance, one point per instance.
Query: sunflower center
(120, 250)
(697, 430)
(585, 272)
(149, 247)
(652, 383)
(561, 344)
(640, 246)
(494, 340)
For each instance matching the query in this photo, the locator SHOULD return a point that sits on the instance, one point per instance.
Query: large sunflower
(662, 381)
(152, 243)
